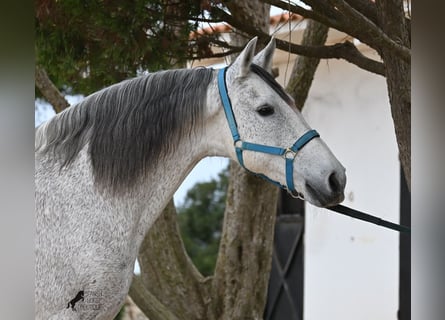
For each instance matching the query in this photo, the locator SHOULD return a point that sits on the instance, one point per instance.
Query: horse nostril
(334, 184)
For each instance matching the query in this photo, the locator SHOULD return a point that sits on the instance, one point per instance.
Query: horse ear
(265, 57)
(245, 58)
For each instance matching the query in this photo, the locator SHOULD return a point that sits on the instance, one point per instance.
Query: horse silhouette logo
(79, 296)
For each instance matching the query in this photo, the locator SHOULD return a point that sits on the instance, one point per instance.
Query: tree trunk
(49, 90)
(167, 272)
(239, 287)
(392, 20)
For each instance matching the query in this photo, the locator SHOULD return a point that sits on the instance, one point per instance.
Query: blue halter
(288, 154)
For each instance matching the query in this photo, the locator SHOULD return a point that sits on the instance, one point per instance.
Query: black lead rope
(369, 218)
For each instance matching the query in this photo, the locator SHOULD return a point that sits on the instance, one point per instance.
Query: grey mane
(129, 127)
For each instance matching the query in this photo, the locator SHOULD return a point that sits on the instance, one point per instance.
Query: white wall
(351, 267)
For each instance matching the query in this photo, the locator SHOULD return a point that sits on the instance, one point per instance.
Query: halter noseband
(288, 154)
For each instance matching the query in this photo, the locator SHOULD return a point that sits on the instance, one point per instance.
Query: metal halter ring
(238, 144)
(289, 154)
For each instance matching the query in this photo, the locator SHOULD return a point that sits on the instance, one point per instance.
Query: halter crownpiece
(288, 154)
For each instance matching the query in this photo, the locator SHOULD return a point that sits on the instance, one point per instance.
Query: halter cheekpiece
(288, 154)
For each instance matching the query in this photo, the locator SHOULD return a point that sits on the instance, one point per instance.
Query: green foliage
(85, 45)
(200, 219)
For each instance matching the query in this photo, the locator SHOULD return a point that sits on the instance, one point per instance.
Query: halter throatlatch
(288, 154)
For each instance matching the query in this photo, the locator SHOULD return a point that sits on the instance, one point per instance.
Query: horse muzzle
(326, 191)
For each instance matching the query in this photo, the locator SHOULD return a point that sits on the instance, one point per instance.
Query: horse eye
(265, 111)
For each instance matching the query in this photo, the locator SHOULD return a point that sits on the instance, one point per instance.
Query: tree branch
(369, 10)
(218, 55)
(348, 20)
(148, 303)
(328, 21)
(346, 50)
(49, 90)
(358, 24)
(365, 7)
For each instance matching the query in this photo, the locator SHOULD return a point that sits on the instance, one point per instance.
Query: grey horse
(106, 168)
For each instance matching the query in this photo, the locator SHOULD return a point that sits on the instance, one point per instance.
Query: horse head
(269, 136)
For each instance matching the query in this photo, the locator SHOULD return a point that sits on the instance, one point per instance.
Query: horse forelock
(129, 127)
(273, 84)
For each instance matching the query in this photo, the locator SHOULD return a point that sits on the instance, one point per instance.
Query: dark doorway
(285, 294)
(404, 252)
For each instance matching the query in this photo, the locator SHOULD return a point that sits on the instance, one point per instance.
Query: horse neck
(163, 180)
(208, 140)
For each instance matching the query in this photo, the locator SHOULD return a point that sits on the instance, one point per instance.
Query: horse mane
(129, 127)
